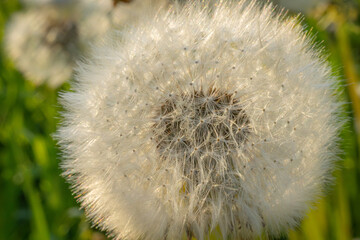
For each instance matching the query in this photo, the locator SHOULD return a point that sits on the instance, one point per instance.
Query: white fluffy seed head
(45, 41)
(209, 116)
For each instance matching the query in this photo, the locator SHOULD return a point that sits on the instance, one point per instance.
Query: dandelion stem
(351, 74)
(189, 235)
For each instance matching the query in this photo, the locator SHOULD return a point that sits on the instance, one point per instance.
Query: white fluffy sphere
(209, 116)
(45, 41)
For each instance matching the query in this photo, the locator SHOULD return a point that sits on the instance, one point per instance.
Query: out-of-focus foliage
(36, 203)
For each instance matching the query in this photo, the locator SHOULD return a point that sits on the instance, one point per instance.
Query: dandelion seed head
(45, 41)
(203, 117)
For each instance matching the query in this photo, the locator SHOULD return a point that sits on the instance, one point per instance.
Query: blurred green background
(36, 203)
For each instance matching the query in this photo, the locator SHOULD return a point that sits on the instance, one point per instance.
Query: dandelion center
(61, 34)
(201, 130)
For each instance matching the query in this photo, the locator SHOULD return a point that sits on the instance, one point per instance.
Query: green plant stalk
(352, 77)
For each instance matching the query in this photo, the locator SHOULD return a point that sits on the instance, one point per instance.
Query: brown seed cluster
(63, 34)
(200, 129)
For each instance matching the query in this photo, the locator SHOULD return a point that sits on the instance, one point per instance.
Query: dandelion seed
(211, 151)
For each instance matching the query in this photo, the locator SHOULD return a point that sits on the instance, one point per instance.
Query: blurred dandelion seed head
(61, 33)
(45, 41)
(221, 115)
